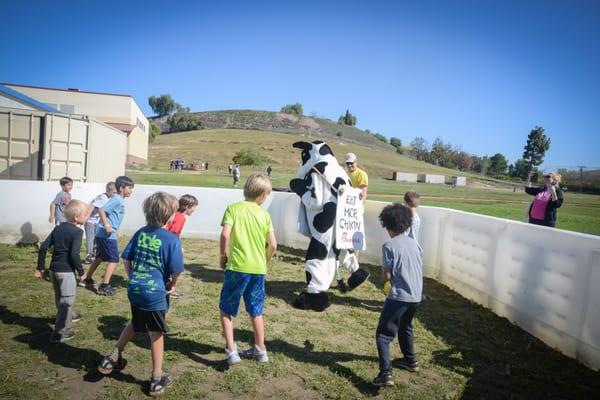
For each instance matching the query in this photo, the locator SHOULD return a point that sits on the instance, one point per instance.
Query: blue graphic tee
(155, 255)
(115, 211)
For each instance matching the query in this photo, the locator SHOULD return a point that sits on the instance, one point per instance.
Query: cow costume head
(317, 183)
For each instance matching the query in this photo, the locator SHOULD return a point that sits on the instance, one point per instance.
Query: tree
(294, 109)
(498, 164)
(481, 164)
(397, 143)
(249, 156)
(163, 104)
(535, 149)
(442, 153)
(184, 120)
(154, 132)
(518, 169)
(379, 136)
(347, 119)
(419, 149)
(462, 160)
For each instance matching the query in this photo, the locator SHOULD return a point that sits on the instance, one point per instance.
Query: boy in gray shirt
(402, 262)
(57, 206)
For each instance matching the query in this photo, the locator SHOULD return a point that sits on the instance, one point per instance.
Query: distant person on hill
(269, 170)
(548, 198)
(206, 165)
(412, 200)
(236, 175)
(358, 177)
(230, 168)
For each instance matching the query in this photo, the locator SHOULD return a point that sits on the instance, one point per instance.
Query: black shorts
(148, 321)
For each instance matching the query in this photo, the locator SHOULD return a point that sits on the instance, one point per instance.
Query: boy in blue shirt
(151, 258)
(107, 247)
(402, 262)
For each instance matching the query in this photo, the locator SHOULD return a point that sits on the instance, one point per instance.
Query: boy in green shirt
(246, 230)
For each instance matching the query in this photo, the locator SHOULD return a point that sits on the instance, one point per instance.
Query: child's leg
(65, 288)
(110, 268)
(92, 269)
(89, 238)
(387, 329)
(125, 337)
(405, 332)
(258, 326)
(157, 350)
(227, 324)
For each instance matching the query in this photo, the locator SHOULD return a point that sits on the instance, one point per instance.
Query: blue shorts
(238, 284)
(107, 250)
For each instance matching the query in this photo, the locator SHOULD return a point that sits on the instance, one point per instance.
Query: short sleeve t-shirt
(60, 202)
(155, 255)
(359, 178)
(115, 211)
(98, 202)
(250, 225)
(176, 226)
(413, 232)
(404, 257)
(540, 203)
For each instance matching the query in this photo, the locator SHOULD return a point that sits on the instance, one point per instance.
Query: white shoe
(254, 352)
(233, 357)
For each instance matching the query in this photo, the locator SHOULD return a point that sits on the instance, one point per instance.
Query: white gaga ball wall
(547, 281)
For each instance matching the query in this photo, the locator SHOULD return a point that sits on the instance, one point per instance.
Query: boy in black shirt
(66, 262)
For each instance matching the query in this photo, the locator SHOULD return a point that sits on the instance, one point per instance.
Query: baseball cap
(350, 157)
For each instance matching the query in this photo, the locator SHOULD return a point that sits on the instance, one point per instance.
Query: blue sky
(480, 74)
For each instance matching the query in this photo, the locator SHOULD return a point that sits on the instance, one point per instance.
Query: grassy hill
(218, 146)
(282, 123)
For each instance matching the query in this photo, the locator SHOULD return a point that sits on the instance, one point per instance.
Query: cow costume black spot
(316, 219)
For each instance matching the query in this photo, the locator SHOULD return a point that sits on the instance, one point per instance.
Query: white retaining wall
(545, 280)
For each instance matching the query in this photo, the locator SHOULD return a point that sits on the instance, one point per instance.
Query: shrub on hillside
(339, 134)
(294, 109)
(154, 132)
(249, 156)
(183, 120)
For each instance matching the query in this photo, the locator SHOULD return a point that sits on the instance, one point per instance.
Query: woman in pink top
(548, 198)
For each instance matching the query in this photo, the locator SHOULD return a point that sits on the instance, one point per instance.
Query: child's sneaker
(175, 294)
(88, 259)
(383, 379)
(107, 365)
(254, 352)
(87, 283)
(233, 357)
(58, 338)
(106, 290)
(76, 317)
(411, 366)
(157, 387)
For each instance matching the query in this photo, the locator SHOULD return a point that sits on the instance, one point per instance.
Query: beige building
(117, 110)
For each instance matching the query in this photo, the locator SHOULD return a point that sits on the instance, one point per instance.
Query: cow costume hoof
(312, 301)
(357, 278)
(341, 285)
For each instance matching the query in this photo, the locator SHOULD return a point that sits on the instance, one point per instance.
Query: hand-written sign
(349, 222)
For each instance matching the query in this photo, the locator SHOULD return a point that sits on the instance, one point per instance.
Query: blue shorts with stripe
(249, 286)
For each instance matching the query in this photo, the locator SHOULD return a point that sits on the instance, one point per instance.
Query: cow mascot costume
(319, 178)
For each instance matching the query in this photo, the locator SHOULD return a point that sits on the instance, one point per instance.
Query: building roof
(70, 90)
(127, 128)
(27, 100)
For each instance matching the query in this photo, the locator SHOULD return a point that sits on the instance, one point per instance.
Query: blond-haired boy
(65, 240)
(247, 228)
(152, 256)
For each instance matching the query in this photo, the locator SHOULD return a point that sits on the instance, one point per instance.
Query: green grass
(579, 213)
(465, 350)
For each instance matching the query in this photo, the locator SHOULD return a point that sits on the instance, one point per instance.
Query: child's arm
(387, 274)
(74, 257)
(271, 245)
(51, 217)
(44, 246)
(224, 245)
(127, 267)
(104, 219)
(172, 284)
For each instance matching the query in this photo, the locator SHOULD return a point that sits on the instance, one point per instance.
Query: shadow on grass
(499, 359)
(111, 327)
(61, 354)
(329, 359)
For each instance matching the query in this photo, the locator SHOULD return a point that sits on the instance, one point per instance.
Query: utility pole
(581, 167)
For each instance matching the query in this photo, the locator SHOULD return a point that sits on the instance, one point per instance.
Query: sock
(115, 354)
(156, 377)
